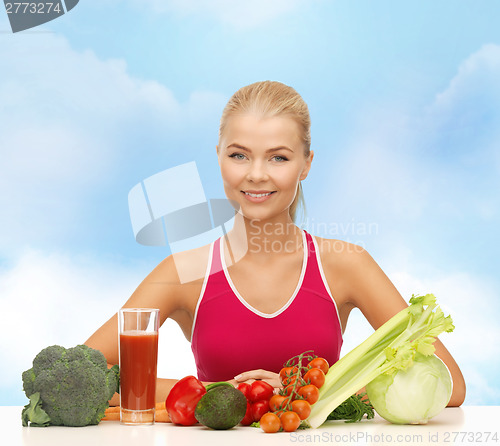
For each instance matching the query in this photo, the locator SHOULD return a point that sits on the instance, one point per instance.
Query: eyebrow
(274, 149)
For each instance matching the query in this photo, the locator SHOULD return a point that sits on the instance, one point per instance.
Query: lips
(258, 194)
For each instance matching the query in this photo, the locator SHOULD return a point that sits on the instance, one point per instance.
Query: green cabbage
(412, 396)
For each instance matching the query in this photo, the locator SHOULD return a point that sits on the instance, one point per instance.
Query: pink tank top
(229, 336)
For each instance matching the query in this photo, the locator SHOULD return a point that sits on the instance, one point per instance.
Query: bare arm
(160, 289)
(364, 285)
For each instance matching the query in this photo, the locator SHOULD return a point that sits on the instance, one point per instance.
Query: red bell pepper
(182, 400)
(184, 396)
(260, 391)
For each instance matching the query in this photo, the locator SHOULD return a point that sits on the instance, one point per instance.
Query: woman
(267, 290)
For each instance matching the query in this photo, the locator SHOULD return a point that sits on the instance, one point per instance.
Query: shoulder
(191, 265)
(186, 266)
(347, 268)
(360, 280)
(175, 283)
(336, 253)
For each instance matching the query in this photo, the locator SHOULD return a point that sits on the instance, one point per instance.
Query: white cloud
(468, 111)
(51, 299)
(239, 14)
(66, 120)
(85, 84)
(440, 161)
(380, 165)
(476, 79)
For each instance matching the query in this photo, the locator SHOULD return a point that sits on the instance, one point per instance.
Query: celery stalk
(392, 346)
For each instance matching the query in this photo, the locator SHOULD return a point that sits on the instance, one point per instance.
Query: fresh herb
(353, 409)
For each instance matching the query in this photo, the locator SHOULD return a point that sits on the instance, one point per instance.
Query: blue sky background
(405, 104)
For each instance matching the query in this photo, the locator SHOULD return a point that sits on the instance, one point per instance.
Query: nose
(257, 172)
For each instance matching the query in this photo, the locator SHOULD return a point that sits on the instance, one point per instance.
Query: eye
(237, 156)
(280, 158)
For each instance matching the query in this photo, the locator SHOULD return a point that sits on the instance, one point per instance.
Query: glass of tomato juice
(138, 346)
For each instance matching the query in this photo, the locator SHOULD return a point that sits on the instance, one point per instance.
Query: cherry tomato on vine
(259, 408)
(260, 390)
(310, 392)
(270, 423)
(319, 363)
(302, 408)
(290, 421)
(280, 412)
(286, 375)
(316, 377)
(289, 380)
(290, 389)
(275, 402)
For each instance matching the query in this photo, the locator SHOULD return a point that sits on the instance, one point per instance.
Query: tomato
(316, 377)
(310, 392)
(259, 408)
(289, 380)
(260, 390)
(302, 408)
(291, 389)
(248, 418)
(280, 412)
(275, 402)
(270, 422)
(290, 421)
(244, 388)
(319, 363)
(286, 375)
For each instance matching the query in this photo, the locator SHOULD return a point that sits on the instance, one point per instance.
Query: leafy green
(353, 409)
(392, 347)
(34, 413)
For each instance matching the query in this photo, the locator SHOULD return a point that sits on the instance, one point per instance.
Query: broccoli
(69, 387)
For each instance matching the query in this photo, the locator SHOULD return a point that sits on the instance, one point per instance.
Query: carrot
(160, 405)
(112, 414)
(161, 415)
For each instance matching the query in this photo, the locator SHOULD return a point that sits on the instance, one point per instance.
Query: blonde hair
(268, 99)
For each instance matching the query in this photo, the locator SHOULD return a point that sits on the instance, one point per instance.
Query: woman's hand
(249, 377)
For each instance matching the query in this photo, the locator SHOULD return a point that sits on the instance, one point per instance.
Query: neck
(263, 238)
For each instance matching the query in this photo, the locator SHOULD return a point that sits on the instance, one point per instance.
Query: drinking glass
(138, 347)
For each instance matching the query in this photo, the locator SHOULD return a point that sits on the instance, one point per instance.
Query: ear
(307, 167)
(218, 157)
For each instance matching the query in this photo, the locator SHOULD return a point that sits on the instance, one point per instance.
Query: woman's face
(262, 161)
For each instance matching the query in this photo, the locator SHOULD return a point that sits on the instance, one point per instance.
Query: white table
(464, 425)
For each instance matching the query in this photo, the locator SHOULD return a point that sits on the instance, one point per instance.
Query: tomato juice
(138, 360)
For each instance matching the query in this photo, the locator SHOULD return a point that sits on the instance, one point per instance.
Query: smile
(258, 195)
